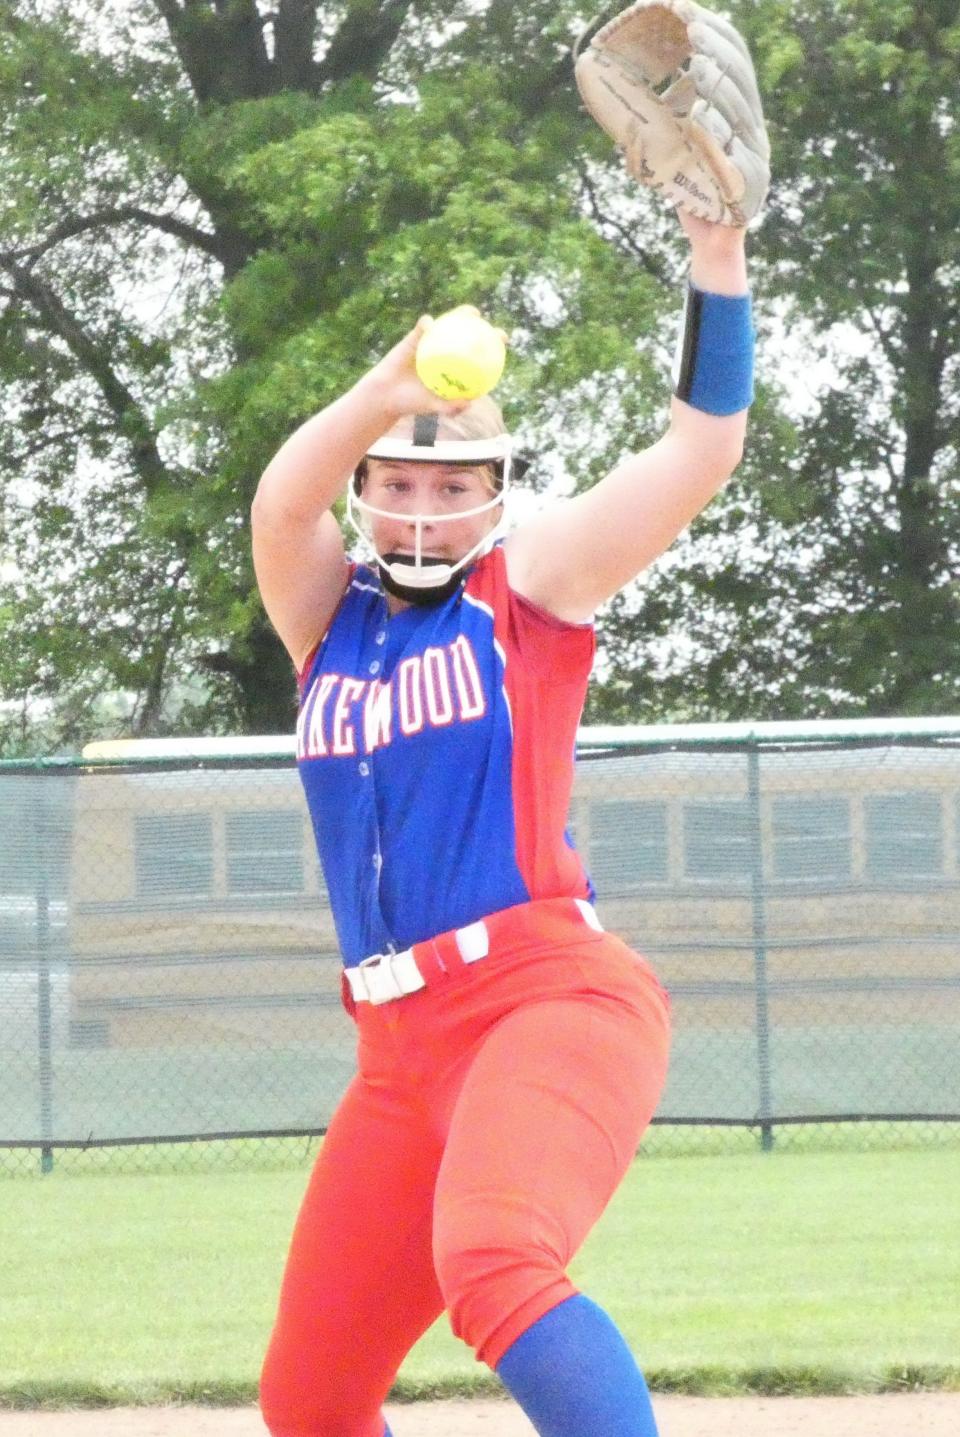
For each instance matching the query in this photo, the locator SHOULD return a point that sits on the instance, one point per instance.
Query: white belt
(386, 976)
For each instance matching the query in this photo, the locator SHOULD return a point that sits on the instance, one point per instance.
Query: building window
(718, 840)
(174, 855)
(904, 833)
(264, 852)
(811, 839)
(628, 844)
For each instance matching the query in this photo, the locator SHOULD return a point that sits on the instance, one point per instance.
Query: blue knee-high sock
(574, 1376)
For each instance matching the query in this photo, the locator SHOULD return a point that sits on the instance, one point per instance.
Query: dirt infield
(922, 1414)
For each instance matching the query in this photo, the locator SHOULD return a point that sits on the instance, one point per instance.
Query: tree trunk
(267, 685)
(221, 48)
(927, 608)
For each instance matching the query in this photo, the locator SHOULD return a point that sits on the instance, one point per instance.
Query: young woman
(511, 1053)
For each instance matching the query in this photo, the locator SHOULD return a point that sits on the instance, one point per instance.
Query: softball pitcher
(510, 1052)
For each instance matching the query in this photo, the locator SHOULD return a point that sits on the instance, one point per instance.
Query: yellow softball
(461, 356)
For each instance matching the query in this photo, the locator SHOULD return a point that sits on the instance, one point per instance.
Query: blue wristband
(715, 362)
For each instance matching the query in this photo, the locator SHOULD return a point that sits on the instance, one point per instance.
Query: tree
(825, 584)
(302, 182)
(215, 213)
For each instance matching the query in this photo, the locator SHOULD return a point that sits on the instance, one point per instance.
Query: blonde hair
(481, 419)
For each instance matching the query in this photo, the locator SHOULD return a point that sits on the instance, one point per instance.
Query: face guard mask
(412, 575)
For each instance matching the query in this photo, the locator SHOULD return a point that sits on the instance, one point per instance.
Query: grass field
(816, 1271)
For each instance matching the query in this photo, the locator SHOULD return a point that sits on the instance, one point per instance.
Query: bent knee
(491, 1287)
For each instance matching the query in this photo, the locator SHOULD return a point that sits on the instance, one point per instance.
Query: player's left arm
(577, 554)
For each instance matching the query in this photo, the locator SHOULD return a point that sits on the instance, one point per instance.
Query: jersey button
(374, 668)
(364, 769)
(381, 637)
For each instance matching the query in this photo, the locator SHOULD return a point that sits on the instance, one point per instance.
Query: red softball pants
(493, 1116)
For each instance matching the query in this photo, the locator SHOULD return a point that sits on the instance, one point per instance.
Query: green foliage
(312, 232)
(197, 251)
(218, 139)
(824, 584)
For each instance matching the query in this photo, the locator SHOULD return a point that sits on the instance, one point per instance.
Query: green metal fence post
(760, 947)
(44, 1007)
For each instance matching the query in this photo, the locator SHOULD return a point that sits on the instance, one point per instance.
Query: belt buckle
(385, 977)
(377, 978)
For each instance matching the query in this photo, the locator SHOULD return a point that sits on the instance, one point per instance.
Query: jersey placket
(374, 658)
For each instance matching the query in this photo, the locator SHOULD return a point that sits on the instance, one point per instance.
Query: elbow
(724, 467)
(719, 461)
(273, 515)
(725, 444)
(733, 455)
(270, 507)
(267, 516)
(259, 508)
(713, 441)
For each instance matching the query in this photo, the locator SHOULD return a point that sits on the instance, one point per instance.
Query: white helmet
(416, 573)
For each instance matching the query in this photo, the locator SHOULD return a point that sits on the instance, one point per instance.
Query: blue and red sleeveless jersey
(436, 750)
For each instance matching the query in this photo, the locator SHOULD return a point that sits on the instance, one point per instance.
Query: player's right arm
(298, 552)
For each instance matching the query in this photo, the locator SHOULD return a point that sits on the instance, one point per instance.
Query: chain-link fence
(169, 969)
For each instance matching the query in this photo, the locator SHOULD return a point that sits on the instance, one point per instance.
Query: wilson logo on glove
(674, 86)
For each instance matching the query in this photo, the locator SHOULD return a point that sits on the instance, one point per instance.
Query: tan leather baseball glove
(674, 86)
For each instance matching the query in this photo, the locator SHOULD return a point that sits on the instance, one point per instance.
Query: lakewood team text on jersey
(341, 715)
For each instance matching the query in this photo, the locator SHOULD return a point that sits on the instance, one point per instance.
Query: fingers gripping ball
(461, 356)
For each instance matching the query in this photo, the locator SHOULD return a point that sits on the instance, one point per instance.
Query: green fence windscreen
(169, 969)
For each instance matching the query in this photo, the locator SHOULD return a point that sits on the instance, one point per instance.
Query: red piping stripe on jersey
(541, 771)
(304, 673)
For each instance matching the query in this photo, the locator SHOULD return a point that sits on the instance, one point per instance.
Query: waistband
(385, 977)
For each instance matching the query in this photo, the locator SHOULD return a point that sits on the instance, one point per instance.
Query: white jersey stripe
(479, 604)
